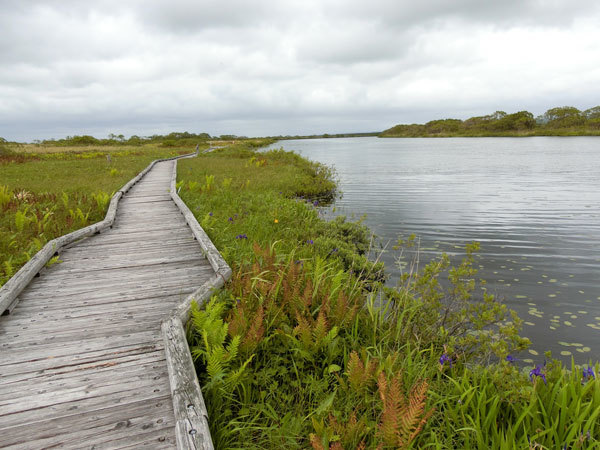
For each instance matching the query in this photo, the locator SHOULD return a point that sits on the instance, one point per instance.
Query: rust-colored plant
(403, 416)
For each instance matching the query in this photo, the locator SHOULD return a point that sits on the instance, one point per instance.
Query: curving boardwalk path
(82, 359)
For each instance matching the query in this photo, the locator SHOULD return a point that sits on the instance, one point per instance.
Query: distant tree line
(175, 139)
(560, 121)
(325, 136)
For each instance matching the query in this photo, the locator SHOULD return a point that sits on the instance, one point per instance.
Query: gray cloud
(257, 68)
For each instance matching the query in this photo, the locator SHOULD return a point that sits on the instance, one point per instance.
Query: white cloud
(257, 68)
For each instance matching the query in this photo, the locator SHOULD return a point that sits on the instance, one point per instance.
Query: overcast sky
(287, 67)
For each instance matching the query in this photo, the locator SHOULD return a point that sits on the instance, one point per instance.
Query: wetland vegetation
(305, 346)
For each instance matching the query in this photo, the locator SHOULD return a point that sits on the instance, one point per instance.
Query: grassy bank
(305, 348)
(45, 194)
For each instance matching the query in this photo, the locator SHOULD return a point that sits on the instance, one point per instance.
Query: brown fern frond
(391, 397)
(321, 327)
(416, 415)
(382, 387)
(355, 370)
(341, 308)
(336, 446)
(403, 417)
(392, 411)
(247, 286)
(352, 422)
(325, 305)
(255, 332)
(316, 442)
(276, 284)
(371, 368)
(307, 296)
(238, 321)
(296, 283)
(255, 269)
(303, 329)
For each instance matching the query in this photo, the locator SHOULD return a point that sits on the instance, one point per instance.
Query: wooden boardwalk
(82, 359)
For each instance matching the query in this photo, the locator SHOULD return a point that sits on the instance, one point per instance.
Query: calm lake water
(532, 203)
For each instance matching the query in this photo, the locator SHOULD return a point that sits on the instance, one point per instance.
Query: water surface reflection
(533, 203)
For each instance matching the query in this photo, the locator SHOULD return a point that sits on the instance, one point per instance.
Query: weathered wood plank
(127, 247)
(89, 371)
(27, 385)
(28, 314)
(49, 364)
(51, 306)
(141, 251)
(142, 236)
(142, 381)
(66, 410)
(87, 420)
(123, 430)
(99, 277)
(28, 327)
(97, 263)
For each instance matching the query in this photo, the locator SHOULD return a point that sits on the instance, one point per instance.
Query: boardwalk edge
(191, 418)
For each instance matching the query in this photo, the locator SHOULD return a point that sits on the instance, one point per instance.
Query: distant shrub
(169, 143)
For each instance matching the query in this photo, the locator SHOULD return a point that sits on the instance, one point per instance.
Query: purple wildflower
(316, 203)
(588, 374)
(210, 214)
(537, 372)
(241, 236)
(310, 242)
(445, 359)
(230, 219)
(510, 358)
